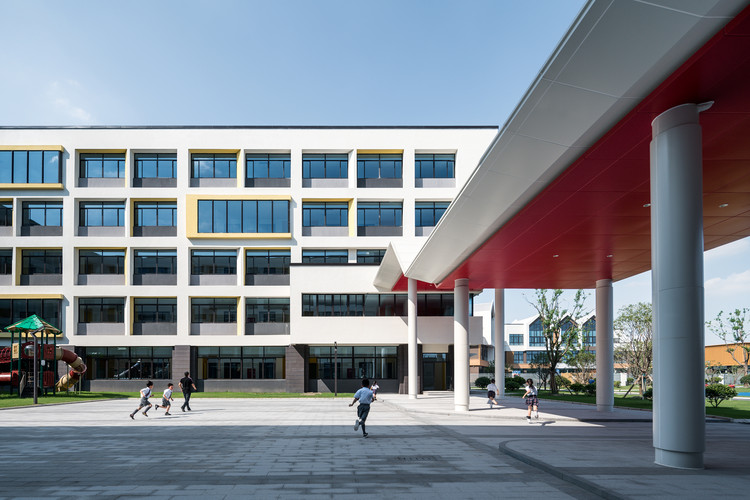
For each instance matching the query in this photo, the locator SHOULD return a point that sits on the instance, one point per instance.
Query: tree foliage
(561, 332)
(584, 363)
(716, 393)
(634, 324)
(733, 331)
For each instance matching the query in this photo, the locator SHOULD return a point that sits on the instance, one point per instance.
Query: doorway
(434, 370)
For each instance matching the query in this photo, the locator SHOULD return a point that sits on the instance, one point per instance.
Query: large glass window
(380, 214)
(434, 166)
(377, 166)
(156, 213)
(6, 261)
(127, 363)
(101, 310)
(517, 357)
(12, 310)
(536, 337)
(156, 165)
(370, 256)
(95, 165)
(428, 213)
(213, 310)
(6, 213)
(515, 339)
(241, 363)
(537, 357)
(101, 261)
(214, 165)
(325, 166)
(155, 310)
(354, 362)
(243, 216)
(329, 214)
(41, 262)
(373, 304)
(589, 333)
(102, 213)
(325, 256)
(264, 262)
(203, 262)
(155, 261)
(435, 304)
(266, 310)
(30, 167)
(41, 213)
(268, 166)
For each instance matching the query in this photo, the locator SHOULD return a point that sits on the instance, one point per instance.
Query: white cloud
(733, 249)
(736, 284)
(60, 93)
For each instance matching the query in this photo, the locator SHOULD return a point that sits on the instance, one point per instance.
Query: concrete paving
(291, 448)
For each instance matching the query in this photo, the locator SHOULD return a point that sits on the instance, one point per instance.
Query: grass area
(8, 401)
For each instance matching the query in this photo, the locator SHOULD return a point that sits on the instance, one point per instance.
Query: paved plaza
(291, 448)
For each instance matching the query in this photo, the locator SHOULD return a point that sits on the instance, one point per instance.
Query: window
(214, 166)
(41, 213)
(517, 357)
(589, 333)
(370, 256)
(155, 310)
(515, 339)
(325, 256)
(328, 214)
(156, 213)
(435, 304)
(30, 167)
(268, 166)
(204, 262)
(354, 362)
(428, 213)
(260, 262)
(155, 262)
(124, 363)
(325, 166)
(377, 166)
(213, 310)
(379, 214)
(101, 310)
(101, 261)
(102, 213)
(536, 357)
(247, 362)
(97, 166)
(41, 262)
(262, 310)
(156, 166)
(243, 216)
(374, 304)
(434, 166)
(6, 261)
(12, 310)
(6, 213)
(536, 337)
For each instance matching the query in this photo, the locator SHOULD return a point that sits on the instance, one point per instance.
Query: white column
(461, 344)
(677, 267)
(412, 360)
(605, 355)
(499, 336)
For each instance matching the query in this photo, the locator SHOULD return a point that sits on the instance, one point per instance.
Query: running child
(492, 391)
(364, 396)
(374, 388)
(531, 400)
(145, 394)
(166, 398)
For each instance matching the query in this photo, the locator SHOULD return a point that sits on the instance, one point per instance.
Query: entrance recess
(435, 369)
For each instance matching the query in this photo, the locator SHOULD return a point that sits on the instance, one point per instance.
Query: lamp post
(335, 369)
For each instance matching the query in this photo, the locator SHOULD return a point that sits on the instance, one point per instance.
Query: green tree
(561, 332)
(733, 331)
(584, 363)
(634, 324)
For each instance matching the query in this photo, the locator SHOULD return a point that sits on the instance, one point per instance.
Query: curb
(43, 405)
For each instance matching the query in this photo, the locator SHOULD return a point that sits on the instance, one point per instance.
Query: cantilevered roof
(561, 197)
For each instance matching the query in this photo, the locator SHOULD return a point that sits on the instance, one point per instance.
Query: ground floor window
(123, 363)
(241, 362)
(378, 362)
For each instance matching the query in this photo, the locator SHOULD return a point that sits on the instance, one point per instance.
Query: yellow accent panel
(266, 248)
(11, 185)
(380, 151)
(199, 151)
(32, 148)
(102, 151)
(31, 296)
(352, 219)
(314, 200)
(240, 236)
(191, 214)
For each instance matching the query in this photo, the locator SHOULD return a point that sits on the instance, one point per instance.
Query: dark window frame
(101, 259)
(165, 310)
(86, 209)
(159, 206)
(138, 254)
(13, 171)
(220, 215)
(334, 165)
(86, 171)
(208, 261)
(163, 162)
(369, 258)
(202, 310)
(251, 170)
(213, 158)
(270, 309)
(424, 165)
(105, 309)
(325, 256)
(365, 167)
(269, 255)
(331, 211)
(50, 259)
(47, 206)
(366, 208)
(429, 213)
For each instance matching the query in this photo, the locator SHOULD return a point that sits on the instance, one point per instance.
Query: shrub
(519, 380)
(577, 388)
(482, 382)
(562, 381)
(618, 383)
(716, 393)
(713, 380)
(591, 389)
(630, 381)
(648, 393)
(511, 385)
(745, 380)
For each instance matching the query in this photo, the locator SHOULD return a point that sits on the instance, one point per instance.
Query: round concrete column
(461, 344)
(605, 355)
(499, 331)
(677, 266)
(412, 358)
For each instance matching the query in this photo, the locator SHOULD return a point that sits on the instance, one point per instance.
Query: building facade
(244, 255)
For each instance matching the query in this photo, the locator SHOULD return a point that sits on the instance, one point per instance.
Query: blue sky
(299, 62)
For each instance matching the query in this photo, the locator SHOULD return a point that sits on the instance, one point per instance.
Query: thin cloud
(736, 284)
(59, 95)
(730, 250)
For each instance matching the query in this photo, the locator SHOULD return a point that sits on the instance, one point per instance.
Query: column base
(678, 459)
(412, 396)
(605, 408)
(462, 408)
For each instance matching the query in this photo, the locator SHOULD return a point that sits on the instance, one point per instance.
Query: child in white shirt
(166, 398)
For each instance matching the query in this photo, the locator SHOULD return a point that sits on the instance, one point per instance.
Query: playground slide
(77, 368)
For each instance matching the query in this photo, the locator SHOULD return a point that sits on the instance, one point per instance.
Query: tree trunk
(640, 385)
(552, 381)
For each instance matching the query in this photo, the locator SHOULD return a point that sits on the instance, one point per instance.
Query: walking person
(532, 401)
(492, 391)
(166, 398)
(364, 396)
(145, 394)
(188, 386)
(374, 388)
